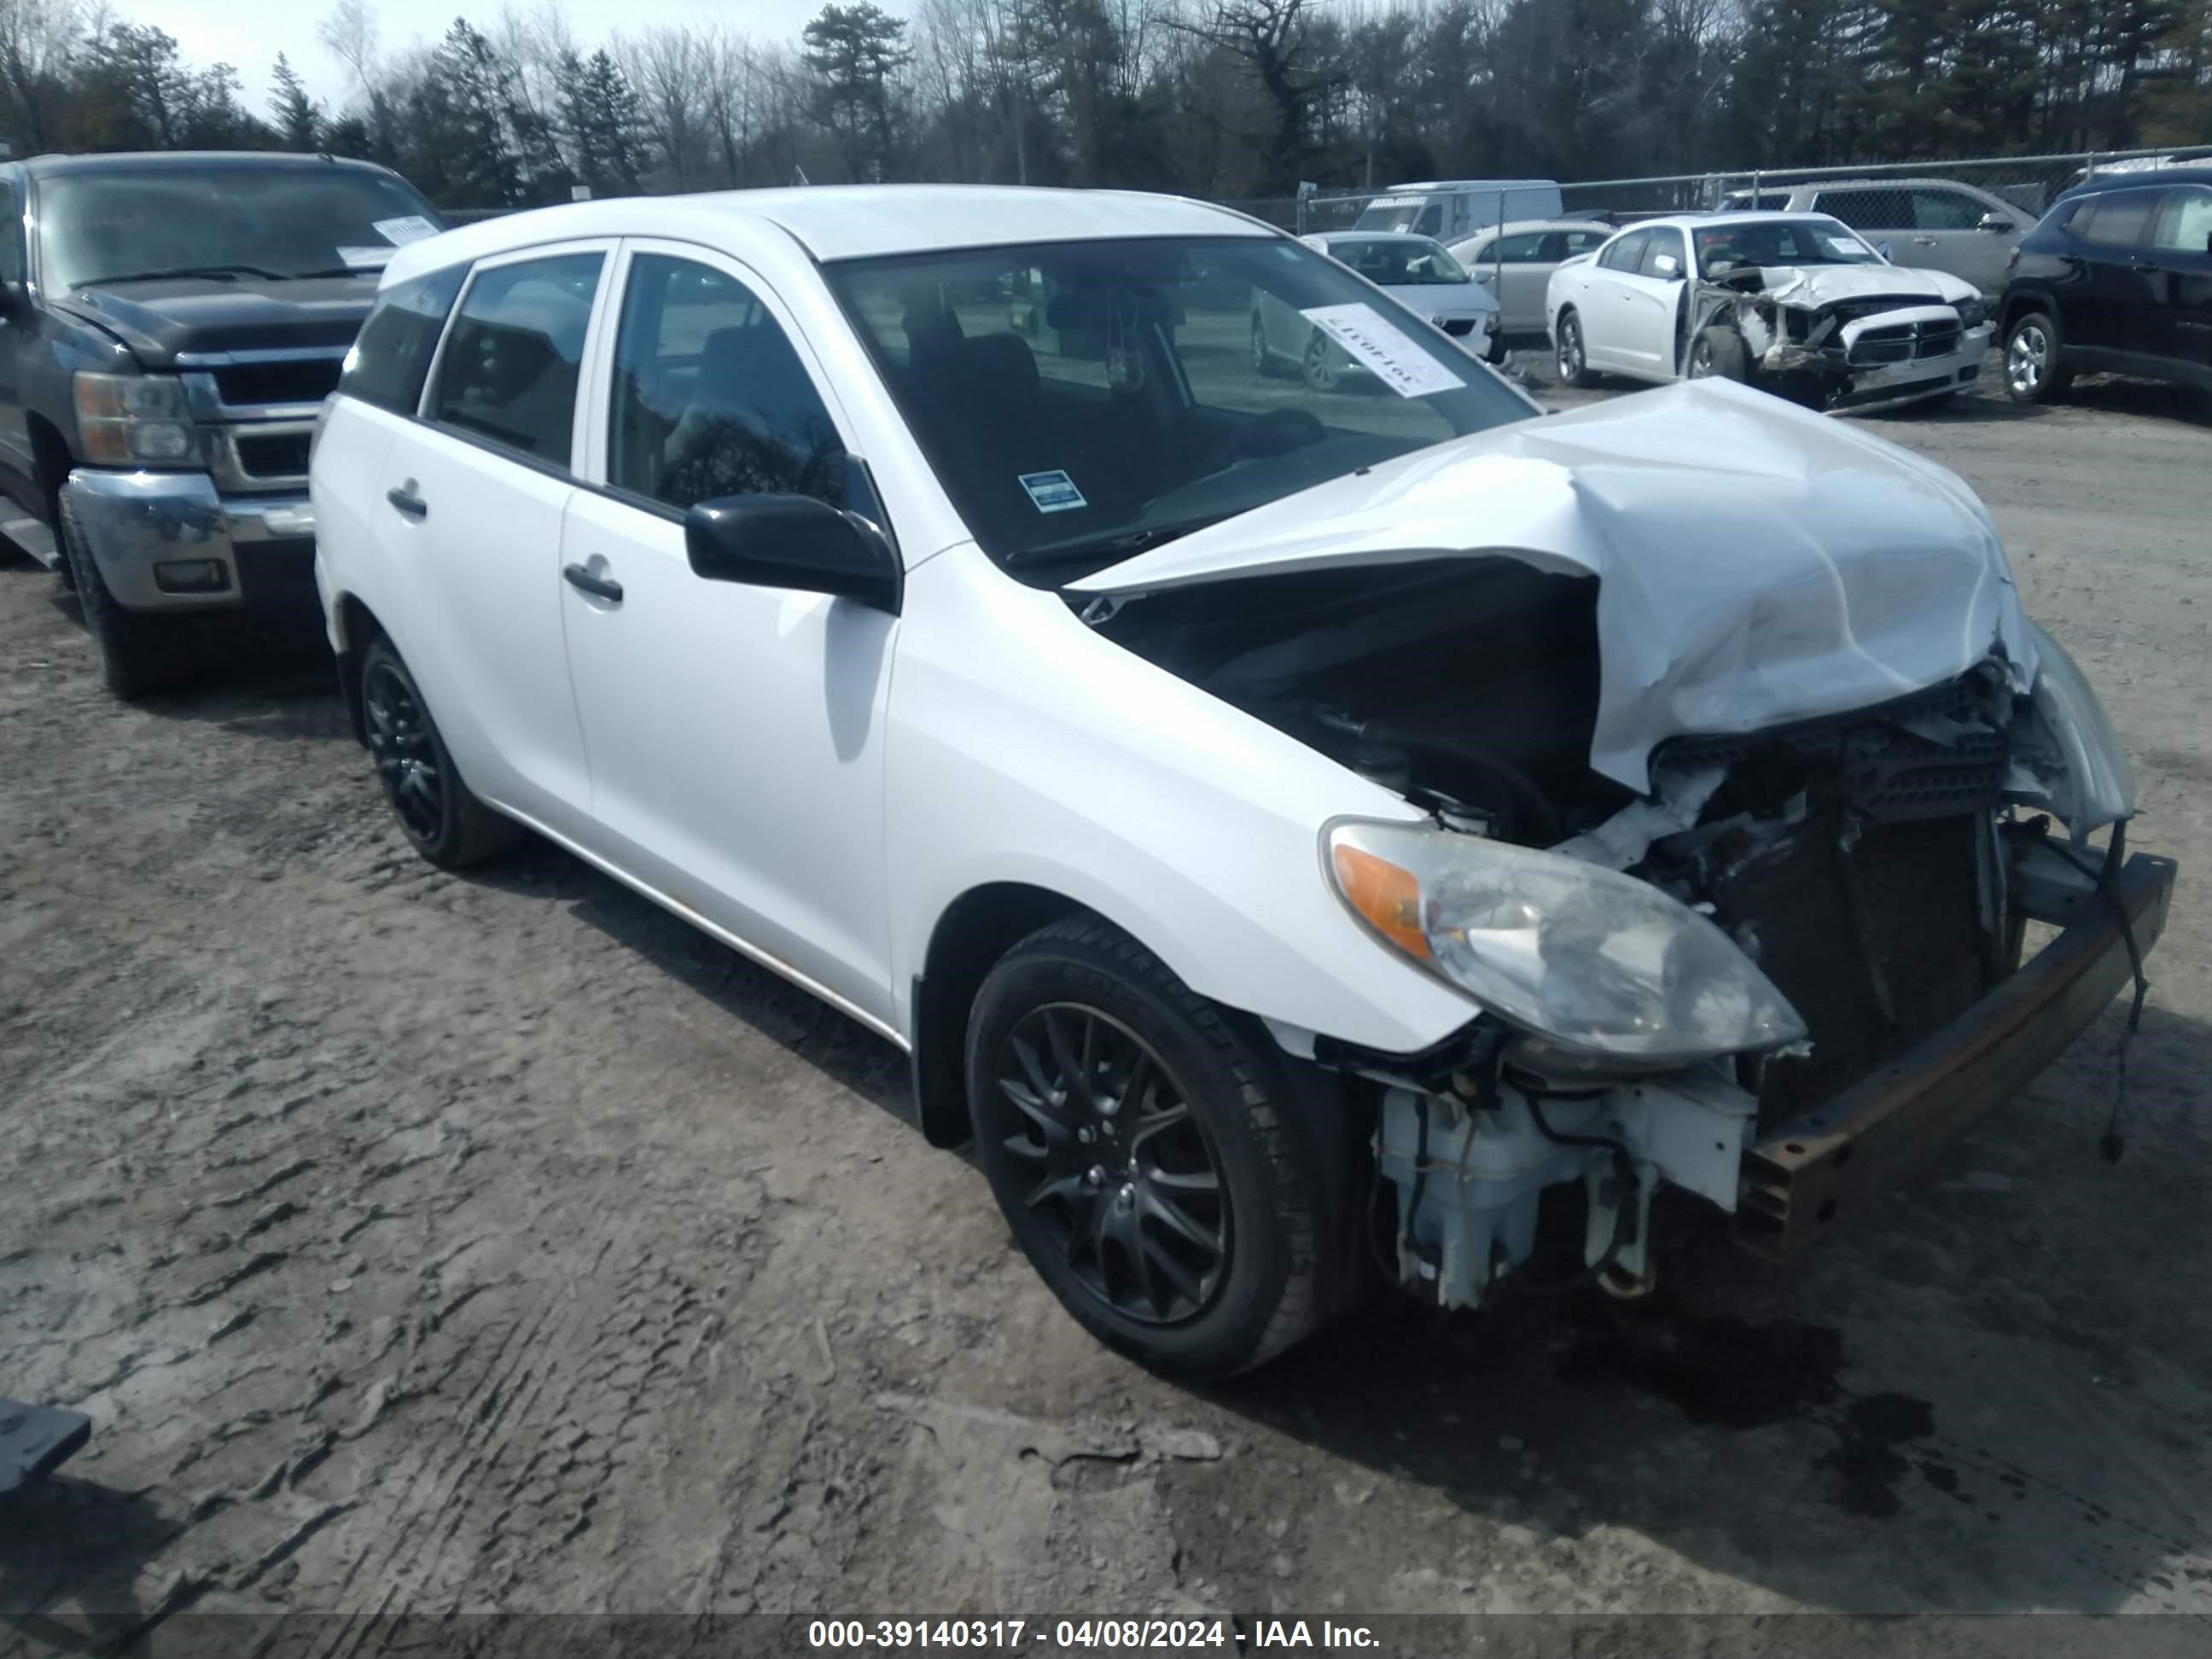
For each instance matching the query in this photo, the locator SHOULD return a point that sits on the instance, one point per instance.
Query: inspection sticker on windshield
(1053, 492)
(1384, 349)
(400, 232)
(365, 258)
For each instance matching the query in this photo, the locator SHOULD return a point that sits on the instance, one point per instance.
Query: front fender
(1025, 748)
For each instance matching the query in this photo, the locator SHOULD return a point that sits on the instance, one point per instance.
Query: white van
(1451, 209)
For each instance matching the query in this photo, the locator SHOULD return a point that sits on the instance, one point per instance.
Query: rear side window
(391, 358)
(510, 367)
(1625, 255)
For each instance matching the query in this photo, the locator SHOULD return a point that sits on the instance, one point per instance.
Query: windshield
(1396, 261)
(1081, 401)
(1723, 248)
(244, 221)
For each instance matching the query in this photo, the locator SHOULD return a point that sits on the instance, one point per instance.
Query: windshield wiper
(337, 270)
(229, 273)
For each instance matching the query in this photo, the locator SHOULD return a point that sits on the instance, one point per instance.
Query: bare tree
(38, 41)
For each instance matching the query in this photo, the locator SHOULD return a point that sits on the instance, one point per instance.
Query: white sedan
(1283, 829)
(1797, 303)
(1414, 271)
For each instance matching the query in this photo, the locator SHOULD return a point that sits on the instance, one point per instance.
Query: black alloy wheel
(1126, 1184)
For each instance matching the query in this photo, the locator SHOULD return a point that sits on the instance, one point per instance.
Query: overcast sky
(249, 34)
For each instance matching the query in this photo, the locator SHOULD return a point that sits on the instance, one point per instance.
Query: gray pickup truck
(169, 326)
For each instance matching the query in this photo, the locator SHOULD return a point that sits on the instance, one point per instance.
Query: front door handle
(1923, 241)
(599, 587)
(408, 501)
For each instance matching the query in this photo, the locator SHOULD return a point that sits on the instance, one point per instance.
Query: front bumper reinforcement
(1874, 1136)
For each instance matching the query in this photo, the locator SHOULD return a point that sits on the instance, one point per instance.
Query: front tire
(139, 654)
(437, 812)
(2034, 366)
(1143, 1151)
(1573, 358)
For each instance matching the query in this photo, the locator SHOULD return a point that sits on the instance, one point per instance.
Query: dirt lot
(441, 1244)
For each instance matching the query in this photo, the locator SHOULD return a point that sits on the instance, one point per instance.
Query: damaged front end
(1770, 978)
(1834, 346)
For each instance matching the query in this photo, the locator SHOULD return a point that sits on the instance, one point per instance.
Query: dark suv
(2118, 277)
(169, 326)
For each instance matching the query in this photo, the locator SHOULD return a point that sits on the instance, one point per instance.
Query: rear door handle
(599, 587)
(408, 501)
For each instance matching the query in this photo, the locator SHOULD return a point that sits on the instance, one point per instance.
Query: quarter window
(511, 360)
(710, 398)
(391, 354)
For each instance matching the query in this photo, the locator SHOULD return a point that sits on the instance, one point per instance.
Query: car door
(2180, 329)
(1651, 298)
(474, 493)
(2107, 303)
(1946, 234)
(1603, 299)
(735, 732)
(1511, 267)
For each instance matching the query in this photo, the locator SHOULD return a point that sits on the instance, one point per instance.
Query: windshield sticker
(1053, 492)
(365, 258)
(1845, 245)
(400, 232)
(1384, 349)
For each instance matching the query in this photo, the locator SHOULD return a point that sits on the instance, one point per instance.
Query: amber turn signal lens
(1387, 896)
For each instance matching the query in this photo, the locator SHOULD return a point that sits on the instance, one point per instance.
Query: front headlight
(1596, 960)
(1969, 313)
(133, 419)
(2065, 756)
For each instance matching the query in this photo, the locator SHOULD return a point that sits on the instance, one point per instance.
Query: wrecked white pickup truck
(1799, 305)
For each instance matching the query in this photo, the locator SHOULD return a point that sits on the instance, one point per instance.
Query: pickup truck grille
(274, 455)
(291, 380)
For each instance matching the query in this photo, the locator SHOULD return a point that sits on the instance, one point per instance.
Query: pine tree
(299, 120)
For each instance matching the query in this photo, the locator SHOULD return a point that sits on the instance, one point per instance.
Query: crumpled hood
(1756, 563)
(1823, 285)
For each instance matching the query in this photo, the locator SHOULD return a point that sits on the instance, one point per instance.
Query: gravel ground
(500, 1243)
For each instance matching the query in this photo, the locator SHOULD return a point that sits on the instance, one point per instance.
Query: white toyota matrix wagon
(1289, 828)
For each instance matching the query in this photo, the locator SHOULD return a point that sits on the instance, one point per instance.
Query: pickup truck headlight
(133, 419)
(1969, 313)
(1596, 962)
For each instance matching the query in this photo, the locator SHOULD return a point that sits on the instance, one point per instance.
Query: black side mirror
(795, 541)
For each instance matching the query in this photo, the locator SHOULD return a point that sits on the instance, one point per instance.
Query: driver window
(710, 398)
(1628, 252)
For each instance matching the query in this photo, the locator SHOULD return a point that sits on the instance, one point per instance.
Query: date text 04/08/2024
(916, 1635)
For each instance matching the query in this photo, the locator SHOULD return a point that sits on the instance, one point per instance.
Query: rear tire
(2035, 368)
(1148, 1156)
(140, 653)
(1572, 359)
(436, 810)
(1719, 353)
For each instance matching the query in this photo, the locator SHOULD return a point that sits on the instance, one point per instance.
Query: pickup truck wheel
(1573, 359)
(139, 654)
(1719, 354)
(1140, 1149)
(2035, 368)
(436, 810)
